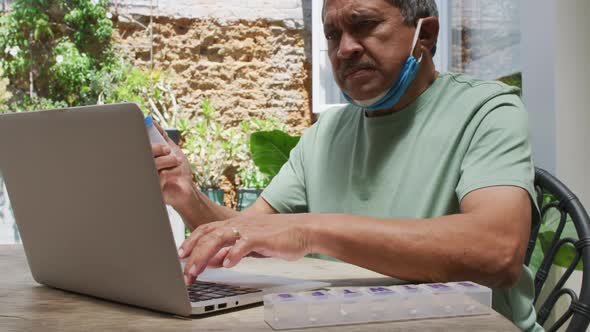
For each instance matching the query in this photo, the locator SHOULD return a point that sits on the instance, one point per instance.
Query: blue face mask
(390, 97)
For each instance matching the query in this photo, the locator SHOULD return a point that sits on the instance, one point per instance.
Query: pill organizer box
(343, 306)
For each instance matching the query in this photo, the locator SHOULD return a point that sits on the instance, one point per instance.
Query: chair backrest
(569, 207)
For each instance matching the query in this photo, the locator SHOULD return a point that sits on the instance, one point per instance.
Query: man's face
(368, 43)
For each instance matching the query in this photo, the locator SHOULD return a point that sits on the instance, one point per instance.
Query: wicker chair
(568, 205)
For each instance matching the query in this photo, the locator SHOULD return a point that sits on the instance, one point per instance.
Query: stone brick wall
(245, 67)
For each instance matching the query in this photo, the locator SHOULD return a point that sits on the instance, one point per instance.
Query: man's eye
(331, 35)
(366, 23)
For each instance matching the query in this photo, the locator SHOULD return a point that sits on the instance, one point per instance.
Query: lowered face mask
(388, 98)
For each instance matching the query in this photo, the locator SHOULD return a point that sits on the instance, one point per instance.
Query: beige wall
(572, 95)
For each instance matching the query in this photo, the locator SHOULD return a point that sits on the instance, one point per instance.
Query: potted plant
(208, 151)
(252, 183)
(250, 180)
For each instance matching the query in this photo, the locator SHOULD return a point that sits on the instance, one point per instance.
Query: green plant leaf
(565, 254)
(208, 109)
(537, 257)
(270, 150)
(548, 198)
(551, 220)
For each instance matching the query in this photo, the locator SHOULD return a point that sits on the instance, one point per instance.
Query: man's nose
(349, 47)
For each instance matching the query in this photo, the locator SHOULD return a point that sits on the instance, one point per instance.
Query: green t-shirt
(460, 135)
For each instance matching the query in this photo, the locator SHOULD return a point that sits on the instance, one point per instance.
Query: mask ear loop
(415, 42)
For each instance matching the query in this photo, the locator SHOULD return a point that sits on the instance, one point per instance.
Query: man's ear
(429, 32)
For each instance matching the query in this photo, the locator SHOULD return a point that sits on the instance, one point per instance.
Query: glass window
(325, 90)
(485, 38)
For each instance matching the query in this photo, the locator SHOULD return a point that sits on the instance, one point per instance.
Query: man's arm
(198, 209)
(485, 243)
(176, 183)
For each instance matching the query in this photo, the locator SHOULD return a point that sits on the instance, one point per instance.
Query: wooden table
(26, 305)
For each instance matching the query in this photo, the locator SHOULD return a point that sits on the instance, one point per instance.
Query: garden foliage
(55, 49)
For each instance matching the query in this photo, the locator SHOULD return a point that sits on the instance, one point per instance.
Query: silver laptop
(86, 198)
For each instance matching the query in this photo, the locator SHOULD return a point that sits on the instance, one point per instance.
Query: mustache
(350, 66)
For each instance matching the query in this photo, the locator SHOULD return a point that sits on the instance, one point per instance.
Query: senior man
(424, 176)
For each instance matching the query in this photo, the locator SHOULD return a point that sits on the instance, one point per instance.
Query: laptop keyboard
(203, 291)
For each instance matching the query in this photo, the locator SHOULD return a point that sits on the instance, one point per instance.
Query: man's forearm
(197, 209)
(440, 249)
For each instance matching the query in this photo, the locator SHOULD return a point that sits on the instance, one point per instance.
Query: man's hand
(175, 172)
(177, 187)
(280, 236)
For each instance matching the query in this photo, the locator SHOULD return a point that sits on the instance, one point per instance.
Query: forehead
(334, 9)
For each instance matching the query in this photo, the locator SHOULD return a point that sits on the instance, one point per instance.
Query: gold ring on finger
(236, 233)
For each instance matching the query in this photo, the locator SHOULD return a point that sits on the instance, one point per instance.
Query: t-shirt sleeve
(500, 151)
(286, 192)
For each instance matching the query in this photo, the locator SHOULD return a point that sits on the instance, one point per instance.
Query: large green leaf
(270, 150)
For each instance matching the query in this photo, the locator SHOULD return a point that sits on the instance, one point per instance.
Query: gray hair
(411, 10)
